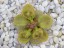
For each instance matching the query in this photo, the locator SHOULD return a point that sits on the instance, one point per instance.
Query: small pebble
(6, 29)
(51, 41)
(54, 15)
(6, 21)
(25, 46)
(52, 5)
(11, 40)
(58, 10)
(45, 3)
(55, 32)
(13, 4)
(15, 36)
(11, 8)
(52, 46)
(7, 38)
(7, 33)
(62, 7)
(17, 2)
(60, 33)
(11, 33)
(56, 2)
(34, 1)
(10, 45)
(42, 46)
(29, 1)
(56, 45)
(2, 25)
(62, 37)
(39, 0)
(61, 15)
(56, 39)
(46, 9)
(62, 19)
(36, 47)
(18, 46)
(36, 6)
(41, 8)
(30, 46)
(3, 35)
(47, 46)
(7, 24)
(59, 22)
(21, 1)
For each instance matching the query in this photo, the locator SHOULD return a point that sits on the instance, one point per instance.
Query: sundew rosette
(31, 25)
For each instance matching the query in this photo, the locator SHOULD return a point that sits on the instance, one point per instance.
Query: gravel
(10, 8)
(42, 45)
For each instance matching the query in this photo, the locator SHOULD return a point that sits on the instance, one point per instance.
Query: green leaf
(28, 12)
(24, 36)
(45, 21)
(19, 20)
(38, 36)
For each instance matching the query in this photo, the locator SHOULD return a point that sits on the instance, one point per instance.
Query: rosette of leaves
(31, 24)
(28, 12)
(19, 20)
(24, 36)
(38, 36)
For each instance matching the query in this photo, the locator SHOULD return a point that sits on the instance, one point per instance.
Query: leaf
(24, 36)
(38, 36)
(28, 12)
(19, 20)
(45, 21)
